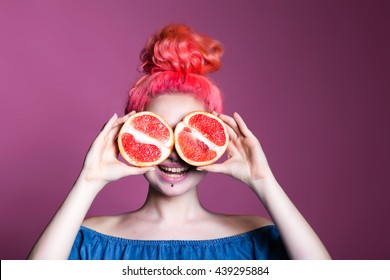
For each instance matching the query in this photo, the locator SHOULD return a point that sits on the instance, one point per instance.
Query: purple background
(311, 78)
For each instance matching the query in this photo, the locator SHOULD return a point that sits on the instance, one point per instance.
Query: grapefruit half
(145, 139)
(201, 138)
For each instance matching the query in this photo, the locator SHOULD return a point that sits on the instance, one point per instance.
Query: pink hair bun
(177, 48)
(176, 60)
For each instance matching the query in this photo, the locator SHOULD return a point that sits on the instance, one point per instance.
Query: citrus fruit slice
(145, 139)
(201, 138)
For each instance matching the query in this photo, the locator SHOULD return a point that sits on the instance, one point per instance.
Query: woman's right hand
(101, 164)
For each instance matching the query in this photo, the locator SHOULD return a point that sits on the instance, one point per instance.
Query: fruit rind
(218, 148)
(165, 147)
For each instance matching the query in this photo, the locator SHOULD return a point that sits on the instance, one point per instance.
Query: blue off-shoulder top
(259, 244)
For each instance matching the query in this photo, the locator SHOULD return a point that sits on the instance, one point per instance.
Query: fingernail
(199, 169)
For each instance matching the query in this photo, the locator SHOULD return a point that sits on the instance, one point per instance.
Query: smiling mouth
(173, 172)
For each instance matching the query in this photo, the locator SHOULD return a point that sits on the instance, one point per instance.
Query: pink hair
(176, 60)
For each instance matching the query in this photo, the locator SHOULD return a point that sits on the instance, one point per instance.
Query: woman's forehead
(174, 107)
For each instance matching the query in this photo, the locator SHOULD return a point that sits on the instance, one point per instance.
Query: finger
(215, 168)
(242, 125)
(232, 134)
(100, 139)
(231, 150)
(139, 170)
(106, 128)
(118, 125)
(123, 119)
(230, 122)
(127, 170)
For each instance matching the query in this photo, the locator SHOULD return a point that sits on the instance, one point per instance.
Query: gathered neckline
(214, 241)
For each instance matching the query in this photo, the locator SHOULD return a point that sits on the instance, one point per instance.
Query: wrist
(88, 184)
(262, 185)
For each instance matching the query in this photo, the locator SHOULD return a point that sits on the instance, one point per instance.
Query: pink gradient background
(311, 78)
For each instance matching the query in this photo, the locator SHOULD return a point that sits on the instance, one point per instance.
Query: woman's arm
(299, 238)
(57, 239)
(101, 166)
(247, 163)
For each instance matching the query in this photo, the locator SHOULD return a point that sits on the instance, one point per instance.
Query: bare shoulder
(101, 223)
(236, 224)
(250, 222)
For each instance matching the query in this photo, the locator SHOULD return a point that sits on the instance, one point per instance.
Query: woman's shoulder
(252, 220)
(101, 223)
(222, 225)
(237, 224)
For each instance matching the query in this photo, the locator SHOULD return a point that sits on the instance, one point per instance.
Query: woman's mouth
(173, 172)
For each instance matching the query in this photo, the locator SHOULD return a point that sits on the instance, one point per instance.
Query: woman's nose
(174, 157)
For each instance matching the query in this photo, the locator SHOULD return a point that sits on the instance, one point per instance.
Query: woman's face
(173, 176)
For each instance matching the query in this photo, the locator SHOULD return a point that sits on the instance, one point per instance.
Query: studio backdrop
(311, 79)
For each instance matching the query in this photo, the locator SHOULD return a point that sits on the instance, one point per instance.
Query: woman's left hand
(246, 159)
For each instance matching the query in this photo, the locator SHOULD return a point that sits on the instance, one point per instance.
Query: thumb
(215, 168)
(132, 170)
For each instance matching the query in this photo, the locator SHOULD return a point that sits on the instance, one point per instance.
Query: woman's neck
(173, 209)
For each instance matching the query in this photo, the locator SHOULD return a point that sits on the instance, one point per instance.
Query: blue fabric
(261, 243)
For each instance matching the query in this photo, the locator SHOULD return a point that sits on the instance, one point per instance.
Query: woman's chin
(172, 184)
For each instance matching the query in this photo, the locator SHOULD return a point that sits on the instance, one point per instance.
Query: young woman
(172, 224)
